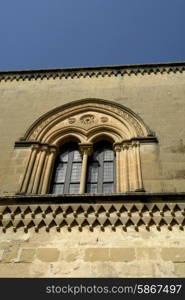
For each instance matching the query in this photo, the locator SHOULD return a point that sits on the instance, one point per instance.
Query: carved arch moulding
(85, 121)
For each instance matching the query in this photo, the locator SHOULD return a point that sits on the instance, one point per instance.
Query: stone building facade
(116, 206)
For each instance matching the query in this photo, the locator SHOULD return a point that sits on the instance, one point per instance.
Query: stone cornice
(92, 71)
(139, 197)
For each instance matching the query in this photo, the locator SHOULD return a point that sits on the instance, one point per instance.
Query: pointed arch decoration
(86, 122)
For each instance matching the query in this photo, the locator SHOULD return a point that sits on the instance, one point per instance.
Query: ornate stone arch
(86, 121)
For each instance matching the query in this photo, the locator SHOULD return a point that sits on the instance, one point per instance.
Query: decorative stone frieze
(93, 72)
(138, 212)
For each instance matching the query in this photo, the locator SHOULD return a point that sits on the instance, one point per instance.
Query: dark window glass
(67, 172)
(101, 170)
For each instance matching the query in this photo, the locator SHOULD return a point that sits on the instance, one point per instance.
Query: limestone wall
(132, 237)
(93, 254)
(157, 98)
(146, 241)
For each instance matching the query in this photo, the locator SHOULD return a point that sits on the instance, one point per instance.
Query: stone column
(29, 168)
(134, 166)
(117, 149)
(138, 164)
(41, 161)
(49, 169)
(86, 150)
(124, 170)
(130, 160)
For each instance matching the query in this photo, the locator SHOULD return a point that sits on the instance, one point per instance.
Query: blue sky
(39, 34)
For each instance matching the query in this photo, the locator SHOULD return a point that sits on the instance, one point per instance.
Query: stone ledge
(129, 197)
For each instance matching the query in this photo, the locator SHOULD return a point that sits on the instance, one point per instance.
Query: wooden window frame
(68, 174)
(100, 180)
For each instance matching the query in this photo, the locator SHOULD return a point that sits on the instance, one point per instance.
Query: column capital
(125, 147)
(86, 148)
(44, 148)
(35, 146)
(135, 143)
(117, 147)
(53, 149)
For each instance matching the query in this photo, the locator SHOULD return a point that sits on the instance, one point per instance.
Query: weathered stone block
(97, 254)
(146, 253)
(179, 269)
(27, 255)
(1, 254)
(173, 254)
(15, 270)
(10, 253)
(70, 255)
(47, 254)
(122, 254)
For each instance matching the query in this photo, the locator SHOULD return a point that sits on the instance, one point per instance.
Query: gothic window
(66, 179)
(101, 170)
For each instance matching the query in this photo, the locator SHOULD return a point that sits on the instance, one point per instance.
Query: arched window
(86, 166)
(67, 171)
(101, 169)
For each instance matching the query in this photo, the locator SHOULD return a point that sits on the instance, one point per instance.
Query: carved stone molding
(86, 114)
(104, 119)
(87, 119)
(71, 120)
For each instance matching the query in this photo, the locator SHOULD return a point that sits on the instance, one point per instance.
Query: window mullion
(68, 172)
(86, 151)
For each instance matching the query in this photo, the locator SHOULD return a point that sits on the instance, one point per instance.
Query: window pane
(64, 156)
(58, 189)
(77, 156)
(93, 172)
(92, 188)
(108, 155)
(74, 188)
(108, 171)
(60, 172)
(96, 155)
(76, 172)
(108, 188)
